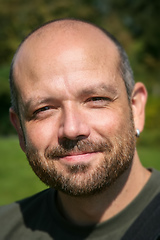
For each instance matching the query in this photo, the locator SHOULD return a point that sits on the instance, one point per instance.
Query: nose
(74, 125)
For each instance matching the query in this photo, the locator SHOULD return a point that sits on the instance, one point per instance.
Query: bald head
(62, 37)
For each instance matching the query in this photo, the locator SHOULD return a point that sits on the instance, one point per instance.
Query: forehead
(56, 49)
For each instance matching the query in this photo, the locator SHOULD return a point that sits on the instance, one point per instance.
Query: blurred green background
(136, 25)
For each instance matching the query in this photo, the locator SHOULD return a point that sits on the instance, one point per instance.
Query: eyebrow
(29, 103)
(97, 89)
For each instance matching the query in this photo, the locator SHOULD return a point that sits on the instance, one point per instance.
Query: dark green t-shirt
(37, 218)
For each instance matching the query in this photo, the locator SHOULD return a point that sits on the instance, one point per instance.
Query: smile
(79, 157)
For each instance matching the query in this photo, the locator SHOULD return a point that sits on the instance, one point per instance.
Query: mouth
(78, 157)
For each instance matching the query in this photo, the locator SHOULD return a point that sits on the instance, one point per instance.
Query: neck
(99, 208)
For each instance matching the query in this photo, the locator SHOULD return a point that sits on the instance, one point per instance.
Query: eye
(42, 109)
(98, 101)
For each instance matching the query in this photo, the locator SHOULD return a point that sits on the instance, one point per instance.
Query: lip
(79, 157)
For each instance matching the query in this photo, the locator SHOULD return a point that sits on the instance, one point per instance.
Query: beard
(84, 179)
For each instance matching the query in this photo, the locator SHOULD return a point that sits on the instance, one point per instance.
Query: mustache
(77, 147)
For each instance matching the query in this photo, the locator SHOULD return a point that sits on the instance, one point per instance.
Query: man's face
(76, 118)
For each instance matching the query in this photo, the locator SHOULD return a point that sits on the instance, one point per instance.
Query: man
(78, 112)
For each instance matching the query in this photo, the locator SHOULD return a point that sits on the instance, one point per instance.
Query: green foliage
(5, 125)
(149, 138)
(18, 18)
(142, 17)
(4, 86)
(153, 113)
(149, 157)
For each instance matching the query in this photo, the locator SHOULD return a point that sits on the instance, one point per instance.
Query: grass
(150, 157)
(18, 181)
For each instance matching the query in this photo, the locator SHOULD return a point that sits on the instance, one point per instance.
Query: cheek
(109, 123)
(41, 134)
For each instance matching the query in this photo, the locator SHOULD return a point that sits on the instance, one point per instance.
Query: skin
(74, 91)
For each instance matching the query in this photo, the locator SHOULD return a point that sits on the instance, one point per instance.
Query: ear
(139, 98)
(16, 123)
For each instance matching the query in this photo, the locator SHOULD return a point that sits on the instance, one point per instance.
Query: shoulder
(152, 187)
(147, 225)
(22, 217)
(35, 200)
(155, 172)
(8, 212)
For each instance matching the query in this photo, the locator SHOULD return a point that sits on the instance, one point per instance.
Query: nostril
(70, 143)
